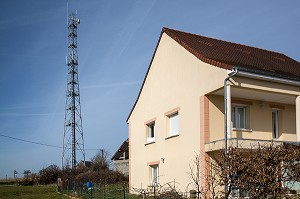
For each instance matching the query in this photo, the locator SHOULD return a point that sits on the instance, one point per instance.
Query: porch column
(229, 112)
(298, 118)
(204, 137)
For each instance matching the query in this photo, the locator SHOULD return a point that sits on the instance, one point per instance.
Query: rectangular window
(151, 132)
(239, 117)
(275, 123)
(154, 174)
(173, 124)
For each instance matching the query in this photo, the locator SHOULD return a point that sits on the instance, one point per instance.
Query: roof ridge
(226, 57)
(167, 30)
(194, 52)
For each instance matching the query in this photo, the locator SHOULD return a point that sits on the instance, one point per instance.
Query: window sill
(241, 129)
(148, 143)
(172, 136)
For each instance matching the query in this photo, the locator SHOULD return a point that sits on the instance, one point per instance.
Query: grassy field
(29, 192)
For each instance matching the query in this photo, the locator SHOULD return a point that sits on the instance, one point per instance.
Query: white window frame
(154, 174)
(173, 124)
(151, 132)
(236, 121)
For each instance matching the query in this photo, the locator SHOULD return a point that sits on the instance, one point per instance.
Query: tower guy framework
(73, 144)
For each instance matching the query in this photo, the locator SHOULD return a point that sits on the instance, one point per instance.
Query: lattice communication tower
(73, 144)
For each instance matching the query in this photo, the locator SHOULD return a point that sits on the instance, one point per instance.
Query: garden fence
(118, 191)
(97, 191)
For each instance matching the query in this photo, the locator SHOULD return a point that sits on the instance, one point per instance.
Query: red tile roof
(119, 154)
(226, 55)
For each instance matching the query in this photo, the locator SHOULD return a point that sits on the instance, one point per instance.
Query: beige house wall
(259, 120)
(176, 80)
(216, 117)
(259, 113)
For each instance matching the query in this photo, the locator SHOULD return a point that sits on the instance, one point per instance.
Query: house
(121, 159)
(199, 89)
(85, 163)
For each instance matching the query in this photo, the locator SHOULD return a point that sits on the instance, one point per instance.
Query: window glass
(151, 132)
(238, 117)
(275, 123)
(233, 117)
(241, 117)
(174, 124)
(154, 174)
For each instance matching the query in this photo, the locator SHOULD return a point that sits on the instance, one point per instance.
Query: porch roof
(258, 95)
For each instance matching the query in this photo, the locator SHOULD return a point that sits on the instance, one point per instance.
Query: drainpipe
(225, 106)
(225, 117)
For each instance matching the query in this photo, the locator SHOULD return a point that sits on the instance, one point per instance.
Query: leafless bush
(100, 161)
(101, 177)
(210, 187)
(49, 175)
(263, 171)
(158, 191)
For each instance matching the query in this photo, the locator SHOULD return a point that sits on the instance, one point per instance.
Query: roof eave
(113, 157)
(257, 74)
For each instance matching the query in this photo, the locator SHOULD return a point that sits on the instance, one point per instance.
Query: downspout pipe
(235, 72)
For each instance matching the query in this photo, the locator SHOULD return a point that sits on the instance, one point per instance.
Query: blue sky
(116, 40)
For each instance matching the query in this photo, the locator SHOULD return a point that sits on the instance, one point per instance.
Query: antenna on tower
(67, 12)
(73, 144)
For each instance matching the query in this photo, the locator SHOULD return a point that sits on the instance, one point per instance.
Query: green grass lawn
(29, 192)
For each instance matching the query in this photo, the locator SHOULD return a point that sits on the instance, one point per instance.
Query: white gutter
(269, 78)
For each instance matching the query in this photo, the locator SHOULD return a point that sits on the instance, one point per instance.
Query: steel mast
(73, 144)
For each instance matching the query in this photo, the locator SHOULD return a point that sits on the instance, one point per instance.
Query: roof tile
(226, 54)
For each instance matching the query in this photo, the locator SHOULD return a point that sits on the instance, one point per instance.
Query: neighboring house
(85, 163)
(180, 107)
(121, 159)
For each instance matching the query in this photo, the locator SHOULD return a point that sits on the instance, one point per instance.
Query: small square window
(173, 124)
(151, 132)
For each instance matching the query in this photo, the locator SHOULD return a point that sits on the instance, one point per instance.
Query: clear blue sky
(116, 41)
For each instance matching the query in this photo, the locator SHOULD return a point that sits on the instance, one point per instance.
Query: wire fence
(119, 191)
(158, 191)
(97, 191)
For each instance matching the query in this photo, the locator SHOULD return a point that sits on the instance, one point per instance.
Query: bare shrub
(158, 191)
(102, 177)
(263, 171)
(100, 161)
(49, 175)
